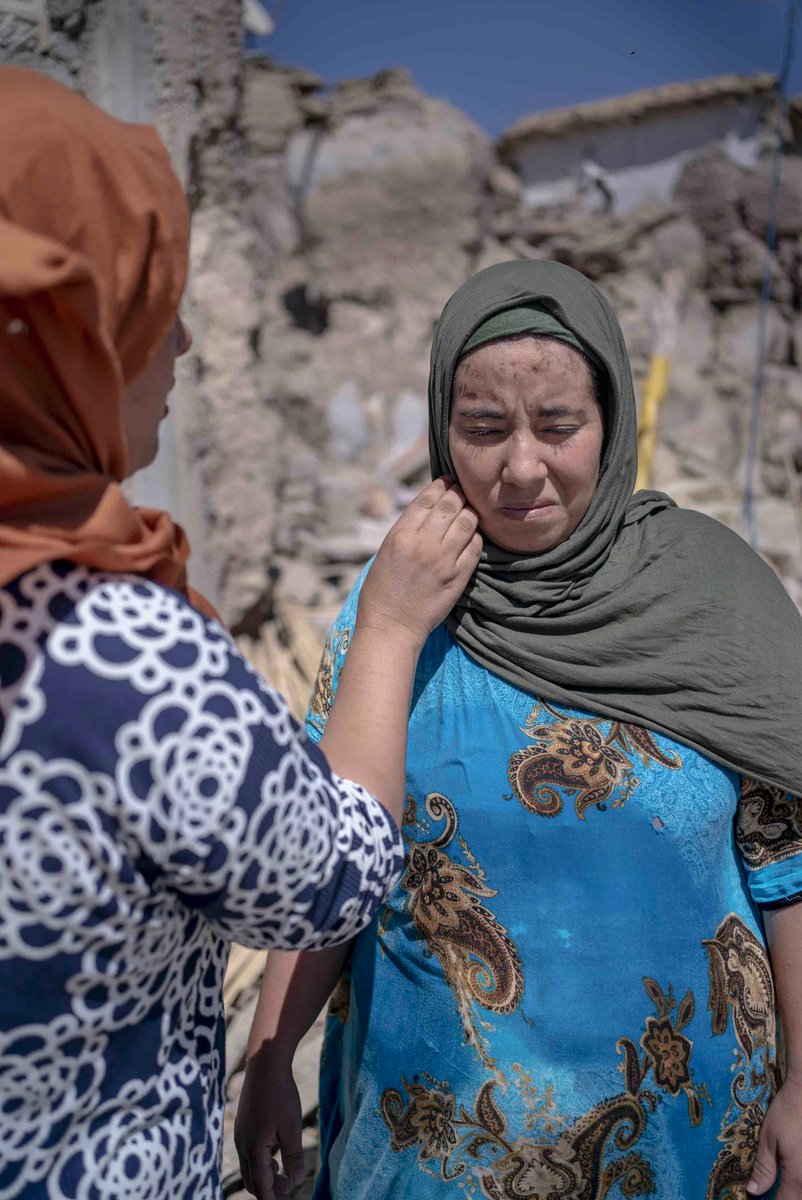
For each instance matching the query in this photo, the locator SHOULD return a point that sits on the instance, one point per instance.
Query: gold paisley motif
(340, 1001)
(569, 1167)
(574, 755)
(769, 825)
(478, 957)
(741, 980)
(588, 1157)
(741, 984)
(322, 700)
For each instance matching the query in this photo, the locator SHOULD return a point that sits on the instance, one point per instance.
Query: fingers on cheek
(449, 508)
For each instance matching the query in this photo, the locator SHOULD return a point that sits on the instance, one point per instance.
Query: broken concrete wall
(377, 202)
(179, 64)
(373, 199)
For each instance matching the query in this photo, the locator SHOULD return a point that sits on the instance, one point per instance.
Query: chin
(525, 542)
(531, 546)
(144, 459)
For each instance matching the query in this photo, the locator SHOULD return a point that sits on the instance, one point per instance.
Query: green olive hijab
(647, 613)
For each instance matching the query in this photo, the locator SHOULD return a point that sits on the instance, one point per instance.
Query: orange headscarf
(94, 238)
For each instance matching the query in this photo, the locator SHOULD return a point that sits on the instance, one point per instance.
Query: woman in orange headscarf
(156, 798)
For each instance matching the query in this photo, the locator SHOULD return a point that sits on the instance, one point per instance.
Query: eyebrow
(495, 414)
(560, 410)
(481, 414)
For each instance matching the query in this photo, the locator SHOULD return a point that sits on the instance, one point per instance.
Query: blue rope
(748, 510)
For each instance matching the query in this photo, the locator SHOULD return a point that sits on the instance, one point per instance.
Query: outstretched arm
(294, 990)
(780, 1146)
(419, 573)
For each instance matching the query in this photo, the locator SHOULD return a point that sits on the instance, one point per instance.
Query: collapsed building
(377, 202)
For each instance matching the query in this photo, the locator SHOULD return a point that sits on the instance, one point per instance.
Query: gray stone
(272, 108)
(796, 338)
(737, 338)
(678, 244)
(409, 421)
(636, 298)
(349, 430)
(748, 256)
(505, 185)
(298, 582)
(704, 432)
(756, 198)
(709, 189)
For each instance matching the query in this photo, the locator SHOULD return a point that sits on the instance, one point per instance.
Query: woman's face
(526, 435)
(145, 399)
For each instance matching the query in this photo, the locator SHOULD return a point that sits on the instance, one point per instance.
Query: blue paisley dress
(568, 993)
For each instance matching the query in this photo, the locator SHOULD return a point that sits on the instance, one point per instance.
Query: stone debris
(398, 198)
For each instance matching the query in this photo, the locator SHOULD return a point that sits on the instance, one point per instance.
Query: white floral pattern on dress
(156, 800)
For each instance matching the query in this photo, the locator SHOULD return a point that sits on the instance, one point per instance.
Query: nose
(524, 464)
(183, 338)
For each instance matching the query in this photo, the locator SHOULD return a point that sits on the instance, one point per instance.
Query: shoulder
(84, 650)
(694, 533)
(127, 626)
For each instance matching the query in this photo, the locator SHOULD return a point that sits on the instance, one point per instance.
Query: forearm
(295, 987)
(784, 931)
(366, 734)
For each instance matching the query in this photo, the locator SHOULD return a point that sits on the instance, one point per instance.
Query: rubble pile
(376, 202)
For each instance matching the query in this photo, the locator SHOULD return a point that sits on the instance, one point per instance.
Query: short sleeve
(768, 834)
(331, 663)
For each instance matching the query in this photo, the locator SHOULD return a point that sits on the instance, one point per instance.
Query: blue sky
(499, 60)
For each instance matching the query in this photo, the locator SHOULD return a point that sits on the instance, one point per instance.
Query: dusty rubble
(378, 201)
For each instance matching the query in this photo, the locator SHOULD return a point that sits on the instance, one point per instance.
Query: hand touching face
(526, 437)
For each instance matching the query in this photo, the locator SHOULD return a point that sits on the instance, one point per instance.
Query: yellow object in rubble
(653, 395)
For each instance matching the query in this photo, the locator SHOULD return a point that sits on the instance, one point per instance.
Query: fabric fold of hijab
(647, 613)
(93, 260)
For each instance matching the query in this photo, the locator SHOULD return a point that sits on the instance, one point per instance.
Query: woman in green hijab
(569, 995)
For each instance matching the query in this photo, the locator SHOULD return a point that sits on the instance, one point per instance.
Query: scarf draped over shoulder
(94, 235)
(647, 613)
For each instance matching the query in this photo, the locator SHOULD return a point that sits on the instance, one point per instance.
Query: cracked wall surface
(377, 202)
(178, 63)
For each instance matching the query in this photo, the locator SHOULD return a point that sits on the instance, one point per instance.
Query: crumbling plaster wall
(640, 159)
(373, 200)
(377, 202)
(179, 64)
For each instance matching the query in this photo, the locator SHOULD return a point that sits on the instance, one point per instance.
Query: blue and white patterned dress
(156, 801)
(568, 995)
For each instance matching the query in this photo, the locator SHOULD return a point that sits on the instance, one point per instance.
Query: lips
(528, 512)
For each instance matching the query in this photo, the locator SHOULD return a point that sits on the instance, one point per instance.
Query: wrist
(271, 1053)
(390, 633)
